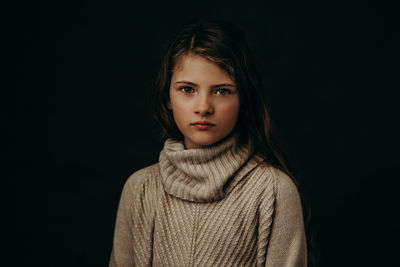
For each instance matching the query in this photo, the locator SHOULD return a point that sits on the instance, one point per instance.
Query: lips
(203, 123)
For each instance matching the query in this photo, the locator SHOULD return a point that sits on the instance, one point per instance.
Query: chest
(222, 233)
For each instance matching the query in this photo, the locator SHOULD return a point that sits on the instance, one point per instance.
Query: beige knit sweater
(213, 206)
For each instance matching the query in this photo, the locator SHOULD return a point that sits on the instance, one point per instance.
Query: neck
(202, 174)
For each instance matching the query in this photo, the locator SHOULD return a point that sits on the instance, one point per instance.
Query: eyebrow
(216, 85)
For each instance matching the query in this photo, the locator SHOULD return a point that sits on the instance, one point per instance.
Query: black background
(77, 122)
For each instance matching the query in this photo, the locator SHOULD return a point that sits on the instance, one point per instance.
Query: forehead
(198, 69)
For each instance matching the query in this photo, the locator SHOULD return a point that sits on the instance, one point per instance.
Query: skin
(200, 90)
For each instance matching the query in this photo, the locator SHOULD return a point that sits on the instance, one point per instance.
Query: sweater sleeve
(287, 244)
(133, 231)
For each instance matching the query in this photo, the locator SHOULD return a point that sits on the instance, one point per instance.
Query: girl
(220, 194)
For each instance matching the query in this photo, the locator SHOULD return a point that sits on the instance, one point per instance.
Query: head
(204, 101)
(216, 47)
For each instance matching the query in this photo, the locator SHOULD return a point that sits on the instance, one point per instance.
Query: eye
(222, 91)
(186, 89)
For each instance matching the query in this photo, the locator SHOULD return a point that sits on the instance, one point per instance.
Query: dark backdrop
(77, 122)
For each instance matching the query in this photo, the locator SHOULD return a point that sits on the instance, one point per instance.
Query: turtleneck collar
(204, 174)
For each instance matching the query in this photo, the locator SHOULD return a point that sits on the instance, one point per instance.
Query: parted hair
(225, 45)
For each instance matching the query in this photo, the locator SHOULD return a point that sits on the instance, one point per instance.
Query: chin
(205, 140)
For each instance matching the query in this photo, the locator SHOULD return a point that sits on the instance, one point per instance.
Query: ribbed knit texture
(214, 206)
(200, 174)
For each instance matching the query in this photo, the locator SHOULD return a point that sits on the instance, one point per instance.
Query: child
(220, 194)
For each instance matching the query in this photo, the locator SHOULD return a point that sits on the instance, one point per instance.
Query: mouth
(203, 125)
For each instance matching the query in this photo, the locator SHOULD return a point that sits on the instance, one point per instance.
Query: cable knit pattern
(214, 206)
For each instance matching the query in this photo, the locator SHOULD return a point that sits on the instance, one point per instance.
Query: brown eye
(186, 89)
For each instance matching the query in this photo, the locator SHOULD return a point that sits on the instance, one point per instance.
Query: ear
(169, 105)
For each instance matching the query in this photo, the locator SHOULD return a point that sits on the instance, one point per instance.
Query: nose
(203, 106)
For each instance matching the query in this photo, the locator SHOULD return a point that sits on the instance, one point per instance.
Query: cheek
(178, 107)
(230, 112)
(179, 112)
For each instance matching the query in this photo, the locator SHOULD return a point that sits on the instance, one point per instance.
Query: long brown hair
(225, 45)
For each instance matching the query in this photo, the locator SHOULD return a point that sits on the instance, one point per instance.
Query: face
(204, 101)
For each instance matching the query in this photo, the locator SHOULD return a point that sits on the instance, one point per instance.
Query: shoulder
(141, 181)
(281, 197)
(283, 186)
(287, 197)
(139, 196)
